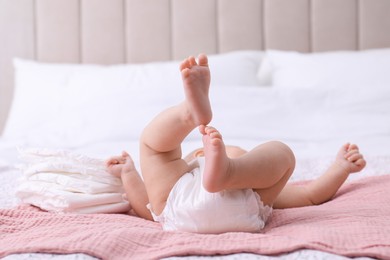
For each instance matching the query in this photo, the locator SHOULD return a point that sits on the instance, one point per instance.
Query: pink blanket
(355, 223)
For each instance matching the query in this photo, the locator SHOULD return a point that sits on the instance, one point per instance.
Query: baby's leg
(348, 160)
(265, 169)
(161, 140)
(123, 167)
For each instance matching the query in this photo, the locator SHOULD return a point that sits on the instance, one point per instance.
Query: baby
(217, 188)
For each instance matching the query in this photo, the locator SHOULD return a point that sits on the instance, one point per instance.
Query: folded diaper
(62, 181)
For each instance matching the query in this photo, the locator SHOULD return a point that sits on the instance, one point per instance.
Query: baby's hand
(350, 158)
(122, 164)
(114, 165)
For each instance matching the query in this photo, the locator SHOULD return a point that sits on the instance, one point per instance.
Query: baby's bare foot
(350, 159)
(196, 81)
(217, 163)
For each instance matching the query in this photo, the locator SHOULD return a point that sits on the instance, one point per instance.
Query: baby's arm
(123, 167)
(348, 160)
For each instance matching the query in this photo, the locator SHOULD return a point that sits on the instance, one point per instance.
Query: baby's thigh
(160, 173)
(269, 195)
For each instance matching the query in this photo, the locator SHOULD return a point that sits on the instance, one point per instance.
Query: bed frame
(127, 31)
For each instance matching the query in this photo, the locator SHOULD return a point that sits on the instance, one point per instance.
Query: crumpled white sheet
(3, 165)
(62, 181)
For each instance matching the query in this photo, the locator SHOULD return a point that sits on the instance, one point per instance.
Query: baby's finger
(130, 160)
(350, 153)
(126, 157)
(115, 160)
(355, 157)
(361, 162)
(353, 147)
(111, 161)
(346, 146)
(125, 154)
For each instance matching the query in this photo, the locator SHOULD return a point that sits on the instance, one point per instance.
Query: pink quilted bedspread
(355, 223)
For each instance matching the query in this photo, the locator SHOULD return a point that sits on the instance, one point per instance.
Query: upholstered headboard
(123, 31)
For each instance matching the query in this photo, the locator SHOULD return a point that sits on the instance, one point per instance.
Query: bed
(83, 77)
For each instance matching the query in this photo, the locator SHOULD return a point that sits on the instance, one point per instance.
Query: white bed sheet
(307, 168)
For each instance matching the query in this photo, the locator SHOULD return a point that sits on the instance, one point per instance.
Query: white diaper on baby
(191, 208)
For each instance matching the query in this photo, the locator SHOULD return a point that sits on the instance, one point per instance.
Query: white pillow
(36, 100)
(330, 69)
(235, 68)
(71, 104)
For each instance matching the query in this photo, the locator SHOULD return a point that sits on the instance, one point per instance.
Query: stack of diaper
(62, 181)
